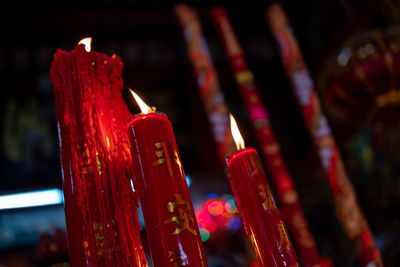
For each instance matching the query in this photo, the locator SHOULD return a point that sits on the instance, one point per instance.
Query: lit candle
(255, 202)
(290, 208)
(100, 206)
(171, 226)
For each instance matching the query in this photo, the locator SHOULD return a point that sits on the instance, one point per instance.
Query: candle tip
(145, 109)
(236, 133)
(87, 42)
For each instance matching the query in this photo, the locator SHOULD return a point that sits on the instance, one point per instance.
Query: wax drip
(96, 159)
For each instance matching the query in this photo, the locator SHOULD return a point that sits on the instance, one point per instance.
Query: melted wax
(100, 205)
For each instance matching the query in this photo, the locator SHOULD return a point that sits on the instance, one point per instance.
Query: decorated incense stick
(207, 79)
(347, 209)
(260, 215)
(291, 209)
(171, 226)
(100, 206)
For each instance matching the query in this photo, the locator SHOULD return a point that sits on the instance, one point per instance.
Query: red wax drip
(261, 218)
(171, 225)
(100, 206)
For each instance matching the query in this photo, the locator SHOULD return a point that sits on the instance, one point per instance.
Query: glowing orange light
(236, 133)
(87, 42)
(145, 109)
(215, 207)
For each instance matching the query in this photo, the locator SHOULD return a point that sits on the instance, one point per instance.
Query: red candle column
(347, 209)
(100, 206)
(290, 208)
(171, 225)
(260, 215)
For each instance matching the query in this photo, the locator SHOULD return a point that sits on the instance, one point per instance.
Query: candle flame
(145, 109)
(87, 42)
(236, 133)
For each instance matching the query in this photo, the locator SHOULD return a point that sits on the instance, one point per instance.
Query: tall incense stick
(291, 209)
(347, 208)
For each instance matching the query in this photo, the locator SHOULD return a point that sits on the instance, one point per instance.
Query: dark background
(146, 35)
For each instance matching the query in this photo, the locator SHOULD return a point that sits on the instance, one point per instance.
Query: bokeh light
(188, 180)
(217, 214)
(211, 195)
(215, 207)
(204, 234)
(234, 223)
(230, 206)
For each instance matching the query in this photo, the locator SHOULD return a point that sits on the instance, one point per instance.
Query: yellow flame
(87, 42)
(236, 133)
(143, 107)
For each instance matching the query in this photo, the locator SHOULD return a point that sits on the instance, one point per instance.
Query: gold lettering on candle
(254, 165)
(99, 238)
(167, 154)
(182, 217)
(99, 229)
(175, 258)
(268, 201)
(283, 237)
(87, 167)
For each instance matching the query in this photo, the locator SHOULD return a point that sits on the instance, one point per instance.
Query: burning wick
(145, 109)
(236, 134)
(87, 42)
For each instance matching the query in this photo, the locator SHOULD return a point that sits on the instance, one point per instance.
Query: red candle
(100, 206)
(261, 218)
(291, 210)
(171, 226)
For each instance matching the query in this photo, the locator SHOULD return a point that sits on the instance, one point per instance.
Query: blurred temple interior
(351, 49)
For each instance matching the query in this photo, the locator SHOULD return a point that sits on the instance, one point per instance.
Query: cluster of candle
(172, 227)
(102, 146)
(172, 230)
